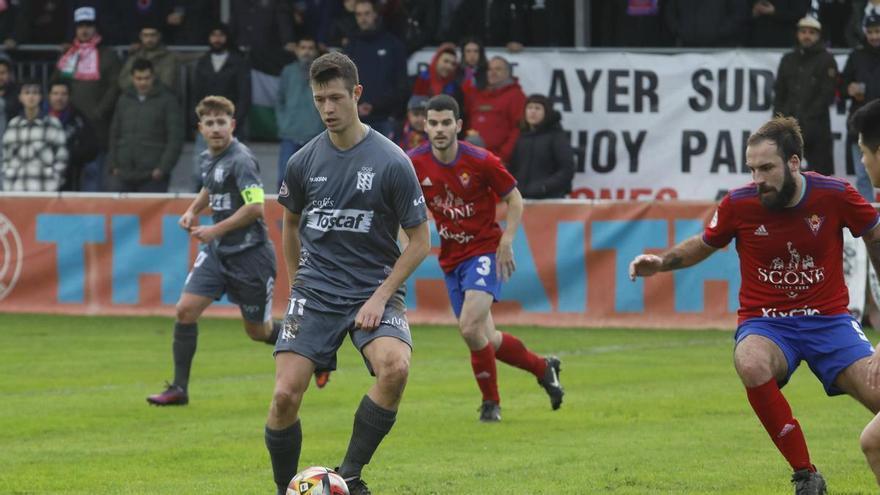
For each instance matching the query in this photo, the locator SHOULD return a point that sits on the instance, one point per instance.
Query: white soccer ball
(317, 480)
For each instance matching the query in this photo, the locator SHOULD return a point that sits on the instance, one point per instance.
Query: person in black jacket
(223, 71)
(542, 161)
(805, 86)
(860, 83)
(82, 146)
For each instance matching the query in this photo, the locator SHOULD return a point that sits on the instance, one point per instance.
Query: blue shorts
(477, 273)
(829, 344)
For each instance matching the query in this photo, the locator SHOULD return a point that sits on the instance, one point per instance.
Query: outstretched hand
(644, 265)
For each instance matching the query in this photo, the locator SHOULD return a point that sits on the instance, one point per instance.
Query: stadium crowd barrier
(113, 254)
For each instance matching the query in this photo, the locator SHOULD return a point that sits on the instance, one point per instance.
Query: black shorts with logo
(315, 328)
(248, 278)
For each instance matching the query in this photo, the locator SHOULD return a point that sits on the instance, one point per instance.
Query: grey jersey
(226, 176)
(352, 204)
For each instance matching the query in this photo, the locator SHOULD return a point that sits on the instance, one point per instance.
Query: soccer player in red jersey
(462, 184)
(793, 302)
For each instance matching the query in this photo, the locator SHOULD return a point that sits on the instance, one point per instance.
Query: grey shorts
(248, 278)
(315, 330)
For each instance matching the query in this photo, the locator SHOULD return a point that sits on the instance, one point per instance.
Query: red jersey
(791, 261)
(462, 196)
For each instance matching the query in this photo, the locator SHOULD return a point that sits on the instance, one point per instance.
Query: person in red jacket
(441, 76)
(494, 112)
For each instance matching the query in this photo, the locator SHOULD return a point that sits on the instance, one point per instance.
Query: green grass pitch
(645, 412)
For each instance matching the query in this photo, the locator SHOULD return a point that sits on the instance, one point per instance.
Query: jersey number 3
(485, 267)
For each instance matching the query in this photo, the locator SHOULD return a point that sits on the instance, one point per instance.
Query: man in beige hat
(805, 85)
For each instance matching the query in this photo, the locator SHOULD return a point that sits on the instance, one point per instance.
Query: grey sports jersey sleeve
(292, 194)
(247, 173)
(406, 194)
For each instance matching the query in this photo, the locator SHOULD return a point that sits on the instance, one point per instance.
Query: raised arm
(684, 254)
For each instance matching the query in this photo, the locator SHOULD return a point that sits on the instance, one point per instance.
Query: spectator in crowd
(298, 119)
(441, 76)
(343, 26)
(381, 62)
(42, 22)
(543, 160)
(223, 71)
(166, 64)
(189, 21)
(82, 147)
(264, 28)
(413, 134)
(146, 134)
(474, 64)
(111, 20)
(805, 88)
(860, 82)
(498, 22)
(698, 23)
(494, 112)
(855, 33)
(34, 151)
(636, 23)
(9, 104)
(93, 70)
(773, 23)
(8, 91)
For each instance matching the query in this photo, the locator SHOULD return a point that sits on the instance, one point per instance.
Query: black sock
(284, 447)
(276, 329)
(371, 424)
(184, 348)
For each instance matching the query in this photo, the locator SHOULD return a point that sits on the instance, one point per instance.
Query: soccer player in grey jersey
(346, 195)
(237, 257)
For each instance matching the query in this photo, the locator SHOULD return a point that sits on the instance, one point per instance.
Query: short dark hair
(306, 37)
(334, 65)
(440, 103)
(866, 121)
(141, 64)
(785, 132)
(28, 82)
(60, 82)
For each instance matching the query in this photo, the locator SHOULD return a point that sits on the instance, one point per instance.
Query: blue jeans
(92, 175)
(286, 150)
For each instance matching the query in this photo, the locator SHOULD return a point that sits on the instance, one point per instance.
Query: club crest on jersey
(464, 178)
(365, 179)
(815, 223)
(284, 192)
(218, 174)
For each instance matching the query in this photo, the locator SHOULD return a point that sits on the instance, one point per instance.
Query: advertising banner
(659, 126)
(127, 256)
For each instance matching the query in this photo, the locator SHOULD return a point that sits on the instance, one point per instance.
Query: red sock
(513, 352)
(775, 414)
(483, 363)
